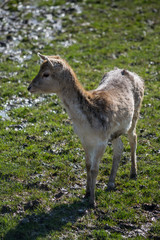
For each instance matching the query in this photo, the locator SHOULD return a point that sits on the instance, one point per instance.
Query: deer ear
(43, 57)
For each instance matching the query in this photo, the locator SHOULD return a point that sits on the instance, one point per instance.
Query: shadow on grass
(34, 226)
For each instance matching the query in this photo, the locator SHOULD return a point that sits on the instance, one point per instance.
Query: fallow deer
(98, 116)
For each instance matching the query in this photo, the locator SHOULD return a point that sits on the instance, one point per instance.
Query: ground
(42, 166)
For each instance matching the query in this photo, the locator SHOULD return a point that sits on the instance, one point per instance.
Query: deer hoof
(133, 176)
(111, 186)
(87, 195)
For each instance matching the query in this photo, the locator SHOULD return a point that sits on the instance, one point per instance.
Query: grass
(42, 166)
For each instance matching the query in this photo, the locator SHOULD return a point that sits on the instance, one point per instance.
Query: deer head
(49, 77)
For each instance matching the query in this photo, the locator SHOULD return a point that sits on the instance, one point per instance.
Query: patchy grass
(42, 167)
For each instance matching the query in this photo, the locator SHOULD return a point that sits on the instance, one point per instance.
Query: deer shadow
(40, 225)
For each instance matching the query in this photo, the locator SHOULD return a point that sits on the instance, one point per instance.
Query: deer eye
(45, 75)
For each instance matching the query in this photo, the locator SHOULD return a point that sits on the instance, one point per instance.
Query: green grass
(42, 166)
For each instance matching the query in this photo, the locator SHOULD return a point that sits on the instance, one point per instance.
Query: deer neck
(74, 98)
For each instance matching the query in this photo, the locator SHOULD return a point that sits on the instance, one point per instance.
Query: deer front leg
(92, 164)
(92, 172)
(88, 187)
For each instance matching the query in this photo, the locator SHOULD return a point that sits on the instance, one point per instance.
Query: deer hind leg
(93, 157)
(132, 136)
(117, 152)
